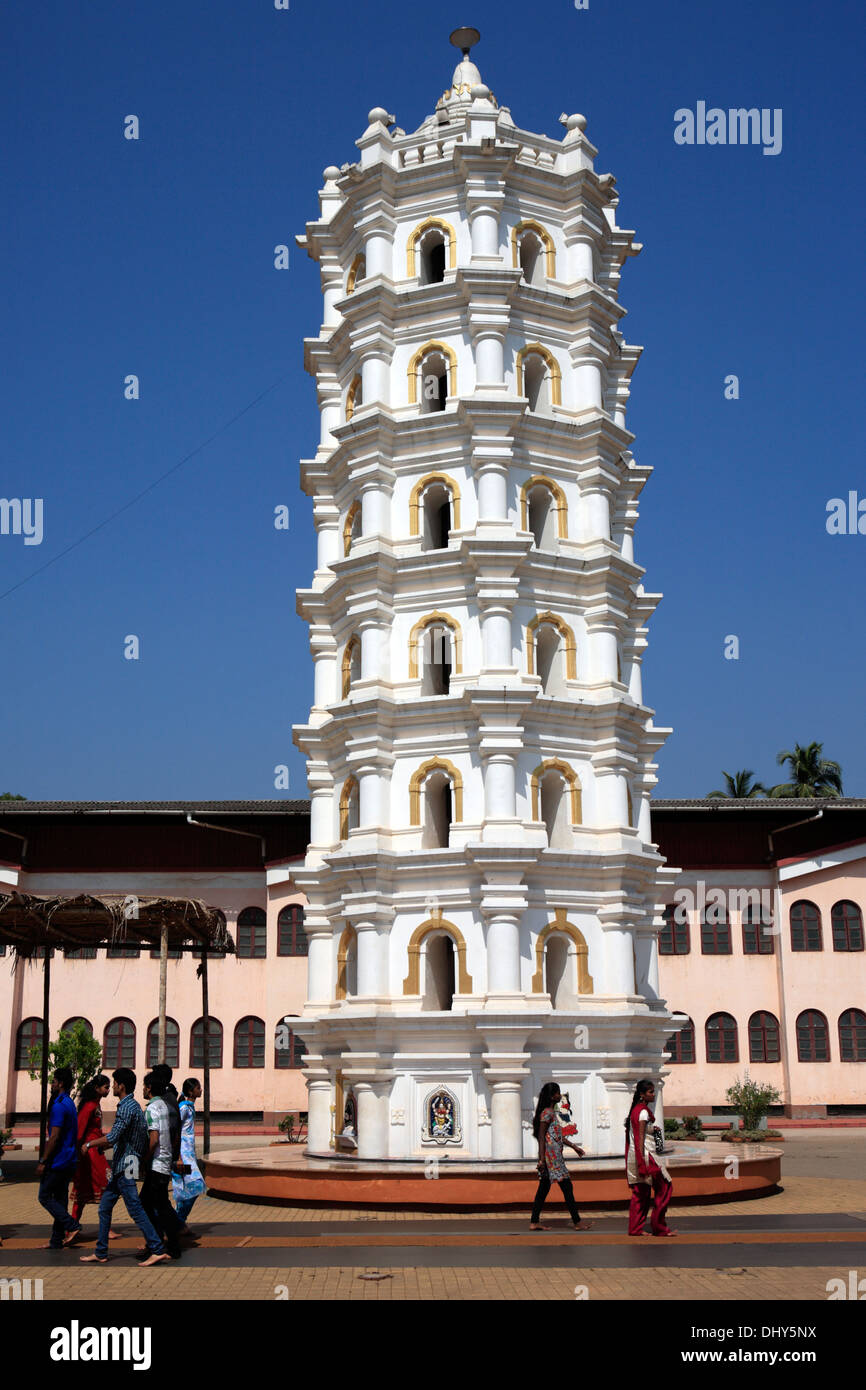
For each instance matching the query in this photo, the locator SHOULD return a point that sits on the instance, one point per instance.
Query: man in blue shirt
(56, 1167)
(128, 1137)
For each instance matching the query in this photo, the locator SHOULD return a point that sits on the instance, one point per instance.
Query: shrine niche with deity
(441, 1118)
(348, 1137)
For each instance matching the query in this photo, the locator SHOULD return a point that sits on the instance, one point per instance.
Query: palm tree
(740, 786)
(811, 775)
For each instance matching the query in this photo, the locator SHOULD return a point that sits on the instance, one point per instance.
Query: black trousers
(541, 1196)
(154, 1199)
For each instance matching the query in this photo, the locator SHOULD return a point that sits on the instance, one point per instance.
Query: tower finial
(464, 39)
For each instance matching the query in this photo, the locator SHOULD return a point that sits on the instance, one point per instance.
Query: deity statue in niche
(348, 1138)
(441, 1118)
(565, 1115)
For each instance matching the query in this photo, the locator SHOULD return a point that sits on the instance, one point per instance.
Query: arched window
(532, 250)
(722, 1040)
(123, 951)
(431, 247)
(70, 1023)
(438, 972)
(674, 935)
(805, 927)
(29, 1034)
(556, 800)
(764, 1037)
(357, 271)
(681, 1045)
(543, 511)
(172, 1044)
(538, 377)
(435, 800)
(75, 952)
(252, 933)
(291, 935)
(852, 1036)
(562, 971)
(757, 937)
(215, 1043)
(813, 1037)
(118, 1044)
(351, 527)
(350, 807)
(351, 671)
(250, 1042)
(847, 923)
(435, 649)
(289, 1050)
(715, 931)
(434, 510)
(432, 377)
(354, 397)
(347, 964)
(551, 651)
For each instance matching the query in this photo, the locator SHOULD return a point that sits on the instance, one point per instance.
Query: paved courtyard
(786, 1246)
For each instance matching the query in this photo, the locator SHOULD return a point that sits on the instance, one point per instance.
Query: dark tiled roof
(296, 807)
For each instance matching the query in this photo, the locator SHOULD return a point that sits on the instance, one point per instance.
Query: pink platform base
(287, 1175)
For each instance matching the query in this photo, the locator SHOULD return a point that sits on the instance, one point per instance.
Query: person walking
(91, 1175)
(154, 1191)
(56, 1168)
(647, 1175)
(128, 1138)
(188, 1185)
(551, 1166)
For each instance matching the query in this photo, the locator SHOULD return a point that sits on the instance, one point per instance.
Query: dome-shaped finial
(464, 39)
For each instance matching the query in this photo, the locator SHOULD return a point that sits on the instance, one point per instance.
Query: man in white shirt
(154, 1191)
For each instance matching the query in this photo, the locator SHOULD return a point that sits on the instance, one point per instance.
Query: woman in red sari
(91, 1175)
(649, 1180)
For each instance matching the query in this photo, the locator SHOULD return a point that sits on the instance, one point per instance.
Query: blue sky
(156, 257)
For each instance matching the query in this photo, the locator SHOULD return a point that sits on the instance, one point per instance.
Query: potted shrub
(753, 1100)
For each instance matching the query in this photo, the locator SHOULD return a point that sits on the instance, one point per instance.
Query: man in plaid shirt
(128, 1137)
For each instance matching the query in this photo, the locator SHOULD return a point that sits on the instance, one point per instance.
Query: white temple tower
(483, 893)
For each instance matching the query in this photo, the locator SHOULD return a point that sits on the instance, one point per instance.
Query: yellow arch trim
(547, 241)
(565, 633)
(559, 924)
(353, 276)
(346, 940)
(348, 653)
(439, 619)
(552, 367)
(412, 982)
(417, 779)
(347, 791)
(416, 496)
(412, 370)
(560, 504)
(571, 778)
(352, 397)
(414, 237)
(347, 526)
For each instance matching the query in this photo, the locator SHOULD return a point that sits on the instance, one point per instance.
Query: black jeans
(154, 1199)
(541, 1195)
(54, 1197)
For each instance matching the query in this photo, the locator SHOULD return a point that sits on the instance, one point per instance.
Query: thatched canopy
(112, 919)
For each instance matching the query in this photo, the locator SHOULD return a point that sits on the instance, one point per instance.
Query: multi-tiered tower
(482, 887)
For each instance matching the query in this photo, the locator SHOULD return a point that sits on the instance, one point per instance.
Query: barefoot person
(56, 1168)
(648, 1177)
(190, 1184)
(551, 1167)
(91, 1175)
(128, 1138)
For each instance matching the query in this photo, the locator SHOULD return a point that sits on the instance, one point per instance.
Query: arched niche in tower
(432, 376)
(354, 397)
(543, 511)
(434, 510)
(561, 963)
(538, 377)
(431, 247)
(350, 807)
(357, 271)
(351, 665)
(351, 527)
(551, 652)
(347, 964)
(439, 976)
(532, 251)
(435, 650)
(556, 800)
(435, 801)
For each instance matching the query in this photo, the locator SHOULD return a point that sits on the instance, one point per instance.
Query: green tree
(75, 1047)
(810, 773)
(740, 785)
(751, 1099)
(11, 796)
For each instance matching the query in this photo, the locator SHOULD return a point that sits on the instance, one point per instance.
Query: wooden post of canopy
(205, 1009)
(163, 976)
(46, 998)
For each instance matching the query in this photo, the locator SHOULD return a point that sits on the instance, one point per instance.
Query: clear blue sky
(156, 257)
